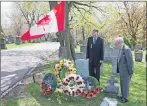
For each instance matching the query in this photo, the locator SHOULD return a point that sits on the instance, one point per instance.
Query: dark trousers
(94, 71)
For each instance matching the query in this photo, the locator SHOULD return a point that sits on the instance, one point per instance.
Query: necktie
(94, 41)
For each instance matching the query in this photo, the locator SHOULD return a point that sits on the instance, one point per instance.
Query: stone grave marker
(114, 57)
(111, 88)
(107, 55)
(17, 41)
(138, 47)
(82, 66)
(109, 102)
(79, 55)
(83, 50)
(11, 39)
(2, 43)
(138, 56)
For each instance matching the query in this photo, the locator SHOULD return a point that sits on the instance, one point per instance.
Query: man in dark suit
(95, 54)
(125, 68)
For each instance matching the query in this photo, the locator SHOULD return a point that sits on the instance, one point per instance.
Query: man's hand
(101, 61)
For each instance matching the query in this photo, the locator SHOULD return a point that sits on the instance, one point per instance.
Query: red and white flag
(52, 22)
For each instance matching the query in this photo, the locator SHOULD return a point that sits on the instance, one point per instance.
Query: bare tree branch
(83, 16)
(83, 4)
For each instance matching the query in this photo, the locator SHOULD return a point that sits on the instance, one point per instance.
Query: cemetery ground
(33, 96)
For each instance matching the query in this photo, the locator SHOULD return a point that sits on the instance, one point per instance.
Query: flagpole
(65, 18)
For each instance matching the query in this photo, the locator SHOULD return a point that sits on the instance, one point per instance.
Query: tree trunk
(83, 33)
(65, 38)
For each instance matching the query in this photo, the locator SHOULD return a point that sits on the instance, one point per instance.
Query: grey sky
(6, 8)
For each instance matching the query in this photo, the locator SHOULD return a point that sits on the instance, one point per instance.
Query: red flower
(82, 93)
(71, 78)
(65, 84)
(93, 91)
(79, 82)
(76, 93)
(85, 95)
(77, 78)
(67, 80)
(97, 88)
(65, 91)
(89, 95)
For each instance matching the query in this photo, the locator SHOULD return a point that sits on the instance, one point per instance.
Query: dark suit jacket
(95, 52)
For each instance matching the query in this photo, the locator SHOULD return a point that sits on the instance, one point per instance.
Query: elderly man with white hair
(125, 68)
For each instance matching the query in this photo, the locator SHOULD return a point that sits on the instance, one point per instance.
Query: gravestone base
(111, 88)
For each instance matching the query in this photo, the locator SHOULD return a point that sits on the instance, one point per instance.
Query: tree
(2, 32)
(65, 38)
(131, 19)
(17, 22)
(30, 13)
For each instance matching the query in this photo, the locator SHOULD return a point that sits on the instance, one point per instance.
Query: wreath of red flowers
(49, 84)
(45, 89)
(92, 92)
(77, 86)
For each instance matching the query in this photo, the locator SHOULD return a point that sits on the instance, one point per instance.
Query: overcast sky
(6, 8)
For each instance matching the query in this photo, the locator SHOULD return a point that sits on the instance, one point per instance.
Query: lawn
(11, 46)
(36, 98)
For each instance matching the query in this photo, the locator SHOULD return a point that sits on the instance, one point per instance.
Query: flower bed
(65, 78)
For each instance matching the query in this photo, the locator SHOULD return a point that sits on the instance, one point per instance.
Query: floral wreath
(49, 84)
(91, 87)
(73, 85)
(64, 68)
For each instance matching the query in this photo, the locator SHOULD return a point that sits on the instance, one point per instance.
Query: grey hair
(119, 40)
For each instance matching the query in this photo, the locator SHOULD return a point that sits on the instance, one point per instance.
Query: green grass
(11, 46)
(35, 98)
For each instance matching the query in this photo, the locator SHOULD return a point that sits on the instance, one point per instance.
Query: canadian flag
(52, 22)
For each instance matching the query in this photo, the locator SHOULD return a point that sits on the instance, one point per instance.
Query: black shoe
(123, 100)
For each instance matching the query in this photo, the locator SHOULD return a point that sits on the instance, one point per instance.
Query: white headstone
(82, 66)
(109, 102)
